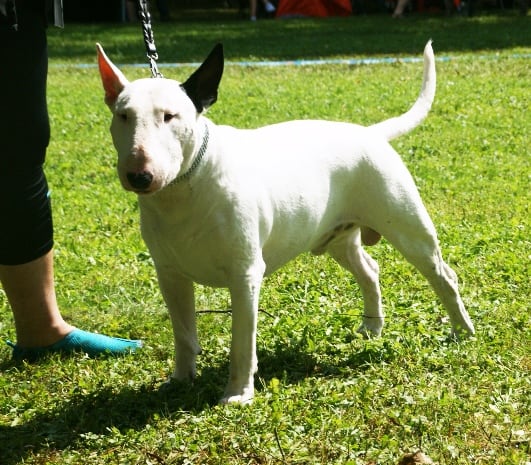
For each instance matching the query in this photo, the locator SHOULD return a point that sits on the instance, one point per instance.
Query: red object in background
(318, 8)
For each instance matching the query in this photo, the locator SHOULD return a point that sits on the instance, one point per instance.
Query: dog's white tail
(394, 127)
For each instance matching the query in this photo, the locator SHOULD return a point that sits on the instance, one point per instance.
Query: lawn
(324, 395)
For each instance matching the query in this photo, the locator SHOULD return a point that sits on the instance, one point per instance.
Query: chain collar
(200, 154)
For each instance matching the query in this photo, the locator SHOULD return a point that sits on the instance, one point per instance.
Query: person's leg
(40, 328)
(253, 6)
(399, 10)
(26, 233)
(31, 293)
(27, 275)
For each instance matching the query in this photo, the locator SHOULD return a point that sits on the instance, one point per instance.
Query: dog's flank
(225, 207)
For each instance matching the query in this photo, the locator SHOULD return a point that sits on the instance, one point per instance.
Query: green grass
(309, 38)
(324, 396)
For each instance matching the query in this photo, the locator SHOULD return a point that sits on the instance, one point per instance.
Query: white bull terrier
(225, 207)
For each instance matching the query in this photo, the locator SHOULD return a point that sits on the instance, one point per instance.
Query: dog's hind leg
(420, 247)
(349, 253)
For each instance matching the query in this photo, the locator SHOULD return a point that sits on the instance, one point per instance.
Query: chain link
(149, 40)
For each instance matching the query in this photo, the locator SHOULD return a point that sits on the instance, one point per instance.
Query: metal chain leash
(149, 40)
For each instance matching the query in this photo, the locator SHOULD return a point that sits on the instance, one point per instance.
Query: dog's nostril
(140, 180)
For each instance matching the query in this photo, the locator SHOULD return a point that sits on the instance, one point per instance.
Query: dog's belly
(277, 256)
(205, 263)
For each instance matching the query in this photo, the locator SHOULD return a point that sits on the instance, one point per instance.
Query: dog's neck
(197, 160)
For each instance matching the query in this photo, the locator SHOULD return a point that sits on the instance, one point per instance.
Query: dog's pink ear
(202, 85)
(112, 78)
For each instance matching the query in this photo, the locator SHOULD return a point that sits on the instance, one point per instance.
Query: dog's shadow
(125, 407)
(86, 415)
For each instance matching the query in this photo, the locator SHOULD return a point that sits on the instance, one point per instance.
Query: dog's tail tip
(428, 51)
(397, 126)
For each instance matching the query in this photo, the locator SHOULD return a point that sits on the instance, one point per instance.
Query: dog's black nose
(140, 181)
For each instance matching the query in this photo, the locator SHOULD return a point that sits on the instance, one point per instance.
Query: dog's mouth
(139, 192)
(147, 191)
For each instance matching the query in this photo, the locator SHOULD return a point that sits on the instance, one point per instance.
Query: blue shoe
(79, 341)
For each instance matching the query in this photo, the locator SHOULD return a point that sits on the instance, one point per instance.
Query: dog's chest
(200, 245)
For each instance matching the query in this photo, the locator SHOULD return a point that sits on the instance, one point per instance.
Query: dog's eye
(122, 116)
(168, 117)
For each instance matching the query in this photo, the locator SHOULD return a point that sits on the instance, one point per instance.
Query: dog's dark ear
(202, 85)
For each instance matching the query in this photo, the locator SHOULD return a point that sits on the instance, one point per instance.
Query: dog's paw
(168, 386)
(171, 385)
(184, 371)
(371, 327)
(459, 333)
(236, 400)
(244, 398)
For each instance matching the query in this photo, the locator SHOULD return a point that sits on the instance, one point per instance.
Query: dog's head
(154, 124)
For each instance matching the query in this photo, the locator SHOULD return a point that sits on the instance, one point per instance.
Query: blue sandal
(79, 341)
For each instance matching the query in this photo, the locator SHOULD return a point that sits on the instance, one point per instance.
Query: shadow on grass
(127, 407)
(181, 42)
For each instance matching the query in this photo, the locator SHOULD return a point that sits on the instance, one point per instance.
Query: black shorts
(26, 230)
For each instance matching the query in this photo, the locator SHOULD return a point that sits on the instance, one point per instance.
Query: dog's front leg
(178, 293)
(243, 361)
